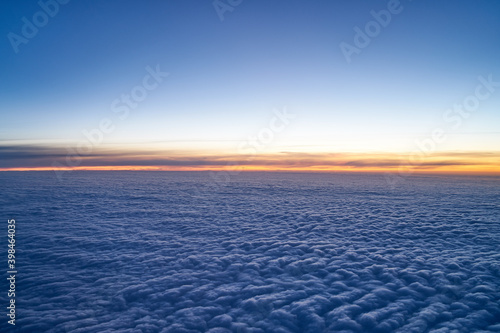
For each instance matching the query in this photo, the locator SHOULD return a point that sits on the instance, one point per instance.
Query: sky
(261, 85)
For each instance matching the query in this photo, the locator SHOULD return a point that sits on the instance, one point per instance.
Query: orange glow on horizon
(457, 162)
(465, 170)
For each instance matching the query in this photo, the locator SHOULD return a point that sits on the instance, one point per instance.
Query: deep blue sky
(227, 76)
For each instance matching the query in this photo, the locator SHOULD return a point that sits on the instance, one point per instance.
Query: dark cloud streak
(32, 156)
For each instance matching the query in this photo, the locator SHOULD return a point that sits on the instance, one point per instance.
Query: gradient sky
(227, 78)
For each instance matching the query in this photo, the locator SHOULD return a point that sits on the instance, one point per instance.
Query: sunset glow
(453, 163)
(306, 94)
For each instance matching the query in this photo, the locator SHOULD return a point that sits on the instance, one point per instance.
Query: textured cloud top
(186, 252)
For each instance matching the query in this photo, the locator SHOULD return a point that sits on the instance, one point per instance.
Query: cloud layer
(138, 252)
(54, 157)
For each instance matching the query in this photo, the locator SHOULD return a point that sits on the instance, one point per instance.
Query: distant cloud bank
(37, 157)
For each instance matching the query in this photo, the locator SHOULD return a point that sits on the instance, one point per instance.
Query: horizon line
(238, 169)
